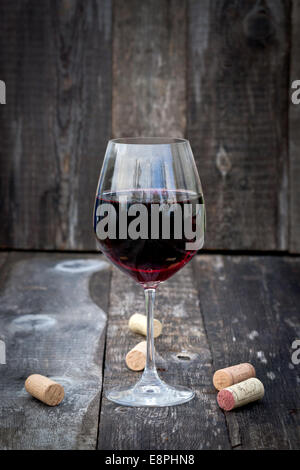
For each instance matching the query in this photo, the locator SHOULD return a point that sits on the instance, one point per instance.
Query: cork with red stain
(240, 394)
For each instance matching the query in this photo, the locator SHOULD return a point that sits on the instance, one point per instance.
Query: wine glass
(149, 220)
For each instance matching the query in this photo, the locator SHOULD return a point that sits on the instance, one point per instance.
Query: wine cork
(232, 375)
(44, 389)
(240, 394)
(138, 324)
(136, 358)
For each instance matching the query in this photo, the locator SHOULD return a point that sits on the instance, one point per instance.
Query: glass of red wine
(149, 220)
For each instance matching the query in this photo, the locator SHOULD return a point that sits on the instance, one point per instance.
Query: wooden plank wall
(149, 68)
(237, 119)
(215, 71)
(294, 134)
(56, 62)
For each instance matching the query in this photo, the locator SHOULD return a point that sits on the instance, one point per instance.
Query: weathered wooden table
(65, 316)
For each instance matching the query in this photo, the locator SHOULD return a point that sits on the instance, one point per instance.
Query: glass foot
(150, 393)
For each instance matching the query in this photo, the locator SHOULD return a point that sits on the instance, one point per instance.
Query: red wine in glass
(149, 261)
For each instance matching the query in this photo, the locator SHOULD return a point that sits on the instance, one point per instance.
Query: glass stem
(150, 368)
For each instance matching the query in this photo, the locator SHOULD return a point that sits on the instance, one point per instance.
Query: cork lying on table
(138, 324)
(44, 389)
(136, 358)
(240, 394)
(231, 375)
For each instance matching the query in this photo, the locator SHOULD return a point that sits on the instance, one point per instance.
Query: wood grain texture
(218, 311)
(149, 67)
(183, 358)
(51, 326)
(251, 314)
(294, 135)
(215, 71)
(237, 119)
(56, 61)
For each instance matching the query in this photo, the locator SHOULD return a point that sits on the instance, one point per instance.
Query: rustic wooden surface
(237, 114)
(149, 68)
(251, 314)
(79, 71)
(185, 360)
(248, 311)
(217, 311)
(294, 135)
(52, 326)
(56, 61)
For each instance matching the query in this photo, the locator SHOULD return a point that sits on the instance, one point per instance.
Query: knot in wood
(223, 161)
(258, 27)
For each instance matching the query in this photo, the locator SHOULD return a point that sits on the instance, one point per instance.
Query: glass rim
(148, 141)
